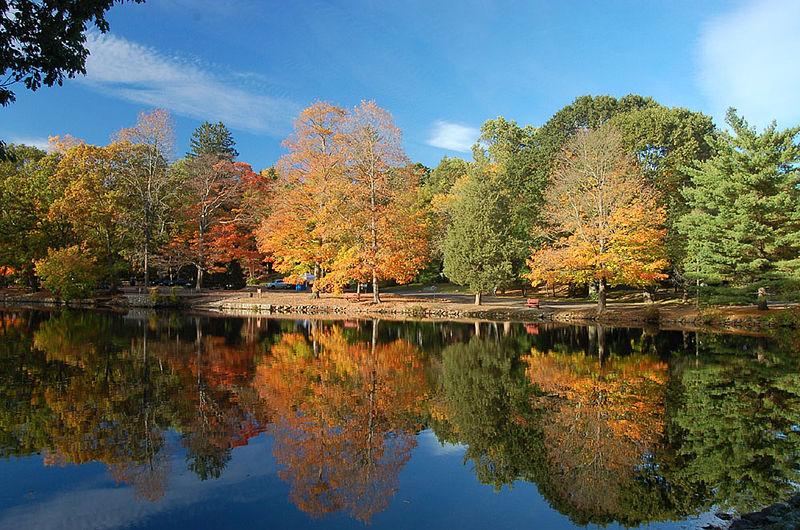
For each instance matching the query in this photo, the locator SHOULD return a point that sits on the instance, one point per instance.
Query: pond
(161, 420)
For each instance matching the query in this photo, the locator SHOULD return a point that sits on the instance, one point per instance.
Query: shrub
(154, 296)
(68, 273)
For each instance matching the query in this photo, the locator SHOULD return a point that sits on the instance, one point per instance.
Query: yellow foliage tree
(604, 221)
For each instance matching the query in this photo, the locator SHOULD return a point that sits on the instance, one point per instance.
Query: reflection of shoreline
(345, 399)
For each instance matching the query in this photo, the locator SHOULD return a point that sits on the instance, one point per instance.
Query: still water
(154, 421)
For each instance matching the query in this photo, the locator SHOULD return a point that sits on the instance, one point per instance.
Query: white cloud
(41, 143)
(748, 60)
(453, 136)
(143, 75)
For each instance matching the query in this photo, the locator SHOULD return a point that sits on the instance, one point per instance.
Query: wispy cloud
(453, 136)
(748, 60)
(144, 75)
(42, 143)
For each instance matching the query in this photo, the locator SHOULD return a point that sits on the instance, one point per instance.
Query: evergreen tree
(480, 249)
(212, 139)
(743, 223)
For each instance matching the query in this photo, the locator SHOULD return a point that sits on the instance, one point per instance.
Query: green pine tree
(743, 220)
(212, 139)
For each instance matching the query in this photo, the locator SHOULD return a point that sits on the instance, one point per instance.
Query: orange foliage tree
(344, 205)
(214, 192)
(297, 235)
(605, 224)
(387, 231)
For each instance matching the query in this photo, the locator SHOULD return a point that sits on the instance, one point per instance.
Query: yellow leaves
(605, 219)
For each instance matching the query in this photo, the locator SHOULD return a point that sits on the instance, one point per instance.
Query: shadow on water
(611, 425)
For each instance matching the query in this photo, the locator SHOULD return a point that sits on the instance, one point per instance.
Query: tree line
(608, 192)
(83, 216)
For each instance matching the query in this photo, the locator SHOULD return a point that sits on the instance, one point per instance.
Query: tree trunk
(478, 298)
(358, 290)
(314, 288)
(199, 284)
(685, 299)
(601, 296)
(376, 297)
(601, 343)
(762, 299)
(147, 248)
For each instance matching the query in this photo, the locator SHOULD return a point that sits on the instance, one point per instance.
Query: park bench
(352, 296)
(532, 302)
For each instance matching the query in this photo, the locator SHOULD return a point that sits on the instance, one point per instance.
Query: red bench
(532, 302)
(352, 296)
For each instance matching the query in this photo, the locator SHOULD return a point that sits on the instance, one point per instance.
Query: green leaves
(212, 139)
(744, 207)
(44, 41)
(480, 249)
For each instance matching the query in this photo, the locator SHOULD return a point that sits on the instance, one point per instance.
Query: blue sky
(441, 68)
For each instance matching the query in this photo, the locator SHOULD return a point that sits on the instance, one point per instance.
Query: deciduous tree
(387, 234)
(92, 201)
(27, 190)
(147, 183)
(604, 219)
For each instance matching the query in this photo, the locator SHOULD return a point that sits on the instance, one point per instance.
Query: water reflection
(611, 425)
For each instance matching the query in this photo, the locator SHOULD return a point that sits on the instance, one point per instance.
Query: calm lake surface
(155, 421)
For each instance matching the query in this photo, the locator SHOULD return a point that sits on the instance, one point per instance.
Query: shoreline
(661, 315)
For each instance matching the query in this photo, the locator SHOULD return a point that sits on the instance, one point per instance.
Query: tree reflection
(735, 422)
(602, 422)
(611, 425)
(345, 417)
(82, 388)
(489, 407)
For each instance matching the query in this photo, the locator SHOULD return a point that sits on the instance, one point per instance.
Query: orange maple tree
(604, 223)
(215, 189)
(297, 235)
(387, 232)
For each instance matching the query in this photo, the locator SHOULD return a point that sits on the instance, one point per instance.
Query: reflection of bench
(532, 302)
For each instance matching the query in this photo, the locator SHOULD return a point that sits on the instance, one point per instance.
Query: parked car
(279, 284)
